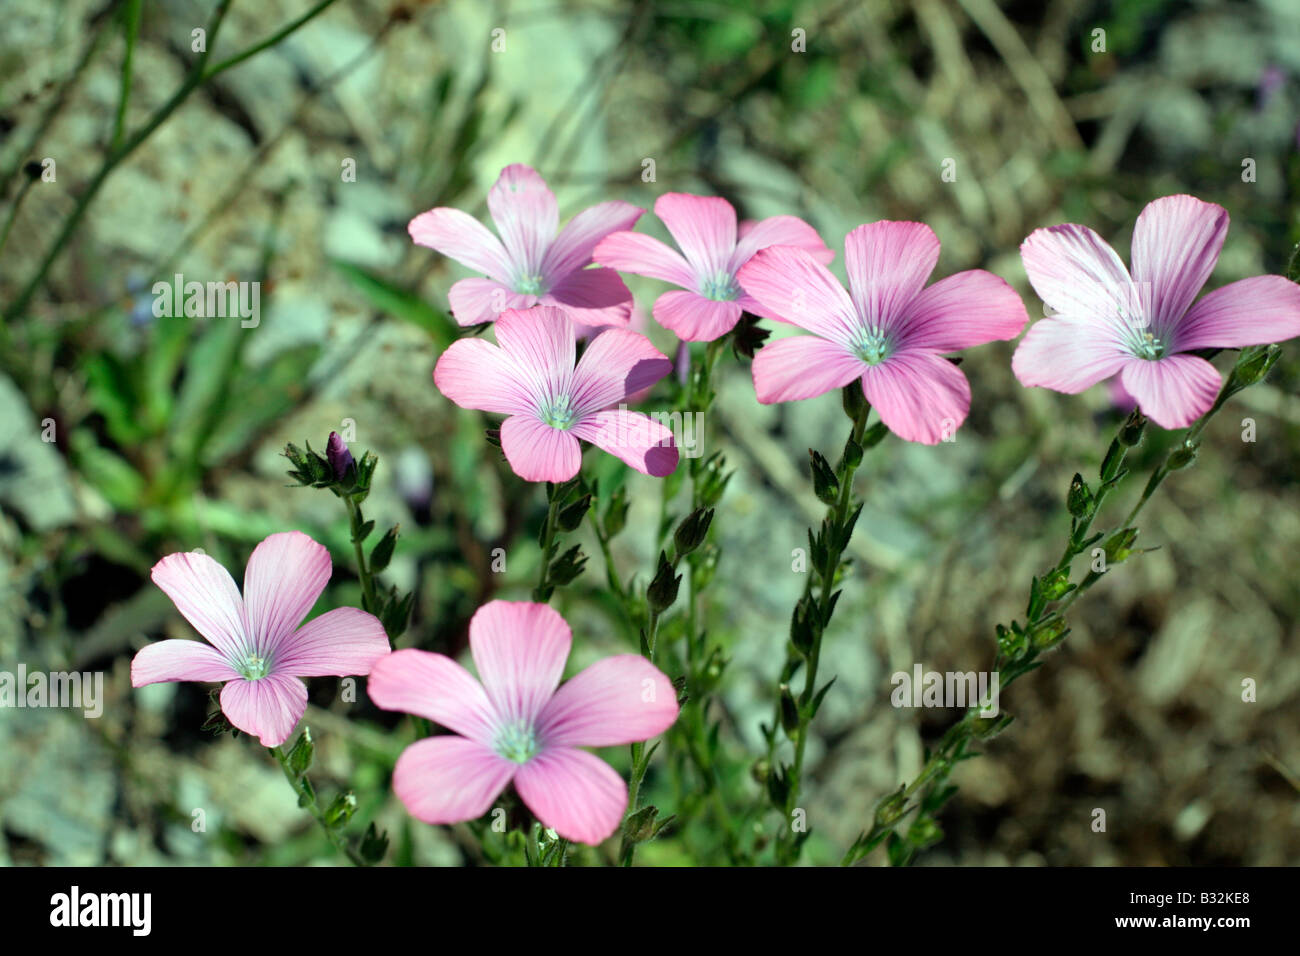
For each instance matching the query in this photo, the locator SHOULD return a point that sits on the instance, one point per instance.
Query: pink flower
(531, 377)
(1141, 326)
(711, 301)
(530, 263)
(254, 642)
(516, 726)
(888, 330)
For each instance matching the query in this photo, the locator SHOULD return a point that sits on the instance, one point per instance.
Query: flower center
(560, 413)
(870, 345)
(529, 285)
(720, 287)
(517, 742)
(253, 667)
(1148, 347)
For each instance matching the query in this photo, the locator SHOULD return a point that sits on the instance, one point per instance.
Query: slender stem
(307, 800)
(356, 520)
(131, 28)
(836, 544)
(540, 593)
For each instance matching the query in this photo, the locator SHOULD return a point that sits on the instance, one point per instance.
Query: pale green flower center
(1147, 346)
(559, 413)
(517, 742)
(870, 345)
(720, 287)
(529, 285)
(253, 667)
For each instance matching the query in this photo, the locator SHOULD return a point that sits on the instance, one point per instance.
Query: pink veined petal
(519, 649)
(704, 227)
(204, 592)
(779, 231)
(450, 779)
(575, 793)
(268, 708)
(1176, 242)
(179, 660)
(477, 374)
(1172, 391)
(593, 298)
(795, 286)
(458, 235)
(541, 347)
(1260, 311)
(1067, 355)
(888, 263)
(921, 396)
(802, 366)
(338, 643)
(963, 310)
(538, 452)
(1077, 273)
(435, 687)
(573, 247)
(645, 256)
(616, 364)
(617, 700)
(695, 318)
(481, 300)
(640, 441)
(526, 215)
(285, 575)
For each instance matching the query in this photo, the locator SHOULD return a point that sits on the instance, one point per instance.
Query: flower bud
(1183, 455)
(1131, 434)
(825, 485)
(1079, 500)
(1252, 365)
(340, 458)
(789, 711)
(890, 809)
(691, 532)
(663, 589)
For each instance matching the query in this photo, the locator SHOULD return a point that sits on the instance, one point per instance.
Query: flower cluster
(563, 368)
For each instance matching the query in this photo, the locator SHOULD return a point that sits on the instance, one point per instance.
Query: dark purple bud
(340, 458)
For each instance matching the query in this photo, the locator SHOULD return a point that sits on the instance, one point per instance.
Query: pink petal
(285, 575)
(802, 366)
(204, 592)
(1176, 242)
(793, 285)
(541, 346)
(526, 215)
(338, 643)
(477, 374)
(573, 247)
(644, 256)
(538, 452)
(888, 263)
(617, 363)
(704, 227)
(1260, 311)
(179, 660)
(435, 687)
(617, 700)
(474, 301)
(593, 297)
(1068, 355)
(695, 318)
(575, 793)
(961, 311)
(1078, 274)
(450, 779)
(779, 231)
(921, 396)
(519, 648)
(1172, 391)
(460, 236)
(640, 441)
(268, 708)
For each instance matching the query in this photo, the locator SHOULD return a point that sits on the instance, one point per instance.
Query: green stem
(356, 519)
(131, 29)
(836, 544)
(541, 593)
(307, 800)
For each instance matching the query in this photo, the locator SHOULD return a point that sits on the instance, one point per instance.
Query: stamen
(560, 413)
(517, 742)
(720, 287)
